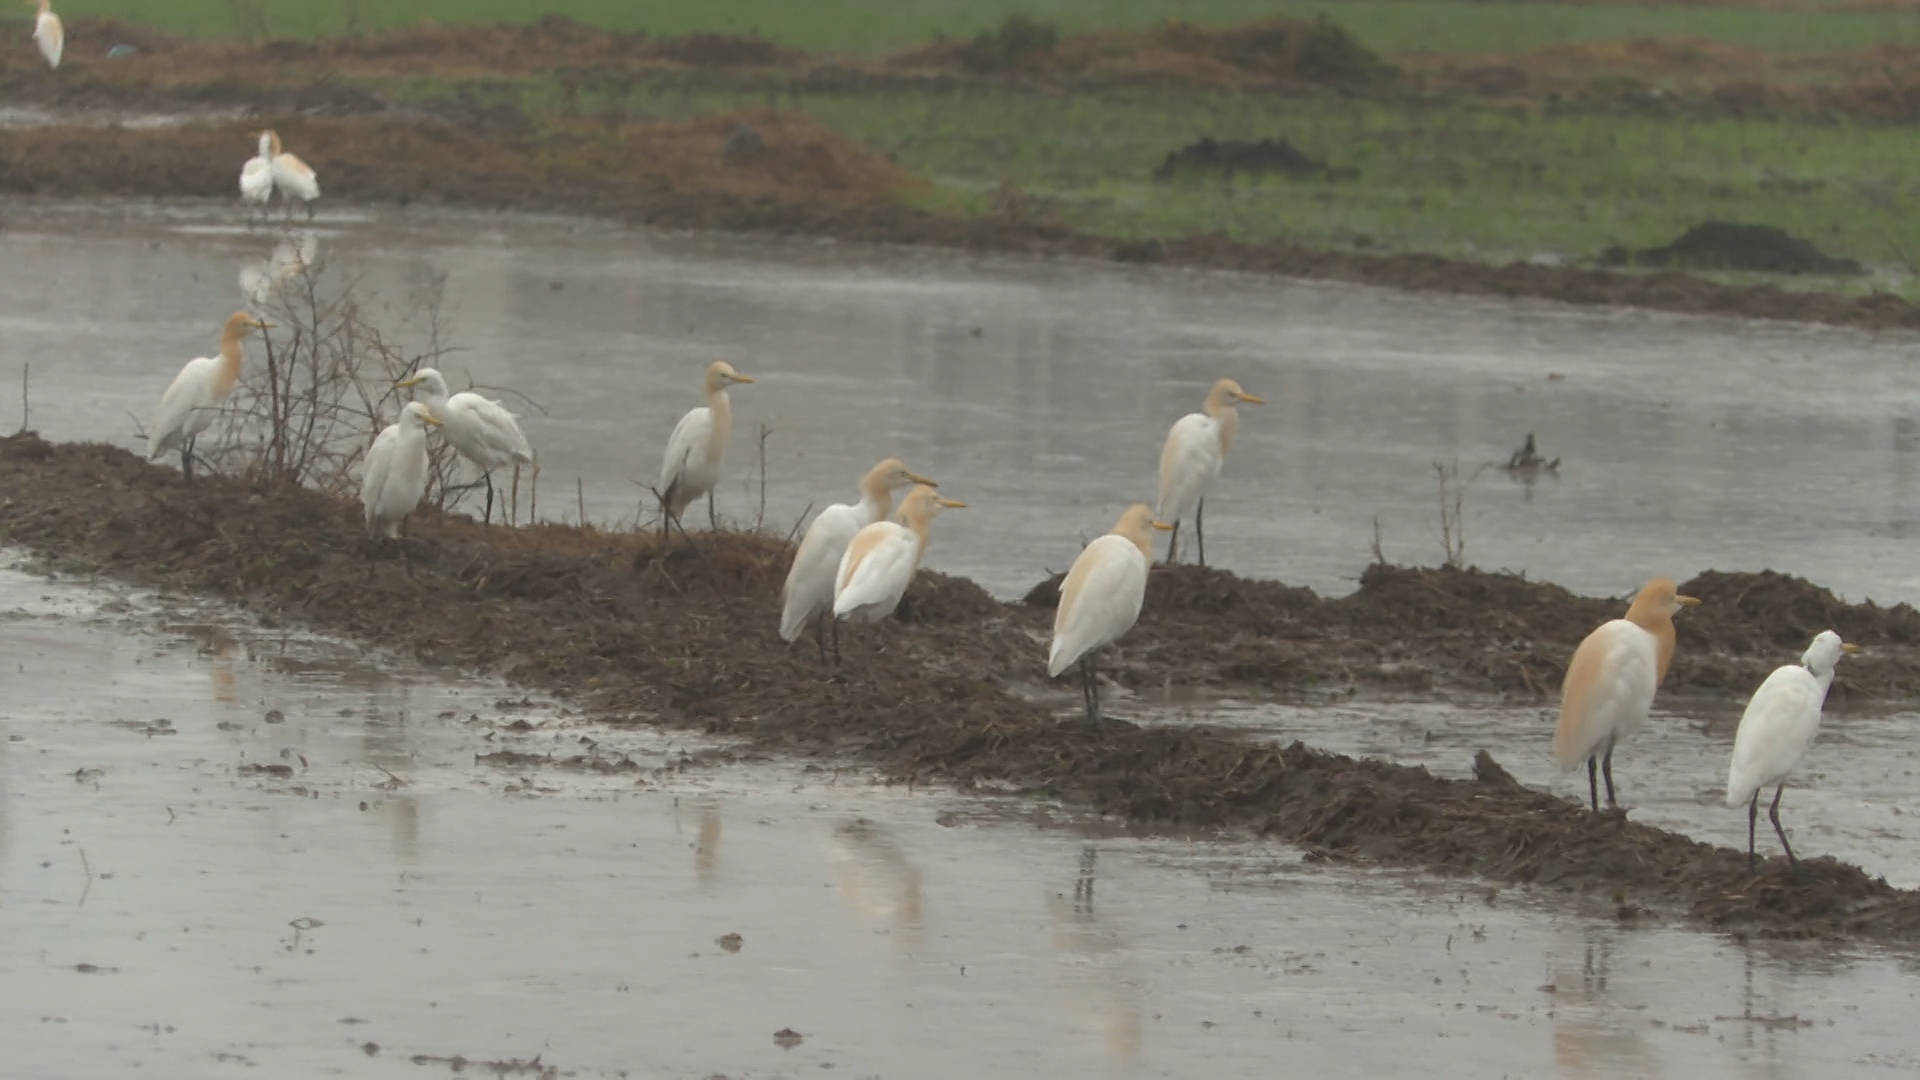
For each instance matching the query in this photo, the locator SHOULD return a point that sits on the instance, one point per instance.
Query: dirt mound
(1259, 157)
(1724, 245)
(665, 635)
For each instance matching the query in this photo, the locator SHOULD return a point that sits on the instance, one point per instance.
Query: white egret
(808, 592)
(478, 428)
(48, 34)
(1775, 731)
(1101, 597)
(396, 475)
(881, 558)
(294, 178)
(691, 467)
(1190, 461)
(256, 176)
(1611, 681)
(291, 255)
(194, 396)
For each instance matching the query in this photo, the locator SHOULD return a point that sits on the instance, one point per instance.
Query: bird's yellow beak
(431, 419)
(1849, 647)
(737, 377)
(404, 383)
(1687, 601)
(952, 504)
(918, 479)
(264, 324)
(1250, 399)
(1163, 526)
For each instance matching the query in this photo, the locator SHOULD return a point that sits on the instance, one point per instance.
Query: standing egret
(808, 592)
(1611, 681)
(256, 176)
(396, 474)
(881, 558)
(1775, 731)
(48, 33)
(294, 178)
(1196, 447)
(1101, 598)
(194, 396)
(480, 429)
(691, 467)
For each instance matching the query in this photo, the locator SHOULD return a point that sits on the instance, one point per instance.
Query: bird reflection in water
(706, 846)
(1099, 993)
(878, 883)
(383, 741)
(1594, 1035)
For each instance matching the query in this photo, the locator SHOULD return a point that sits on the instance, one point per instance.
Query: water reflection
(878, 883)
(1092, 970)
(706, 846)
(1594, 1033)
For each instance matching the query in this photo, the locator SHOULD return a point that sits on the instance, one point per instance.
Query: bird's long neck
(46, 6)
(1661, 627)
(876, 501)
(1228, 418)
(921, 522)
(722, 422)
(1140, 538)
(231, 354)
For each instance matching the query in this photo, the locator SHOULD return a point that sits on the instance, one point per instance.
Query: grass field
(867, 26)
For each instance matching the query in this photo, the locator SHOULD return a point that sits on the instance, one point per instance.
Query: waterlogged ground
(234, 849)
(1039, 392)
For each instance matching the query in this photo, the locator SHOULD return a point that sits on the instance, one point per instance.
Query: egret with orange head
(881, 558)
(48, 34)
(1190, 460)
(691, 467)
(808, 593)
(194, 396)
(1101, 598)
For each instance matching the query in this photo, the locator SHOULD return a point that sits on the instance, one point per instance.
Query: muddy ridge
(645, 635)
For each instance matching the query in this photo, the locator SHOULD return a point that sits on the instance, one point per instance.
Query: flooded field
(227, 850)
(1039, 392)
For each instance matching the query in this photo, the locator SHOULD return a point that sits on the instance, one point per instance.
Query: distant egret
(1101, 598)
(691, 467)
(1775, 731)
(396, 475)
(479, 428)
(1611, 680)
(195, 394)
(881, 558)
(808, 592)
(294, 178)
(1190, 461)
(260, 280)
(48, 33)
(256, 176)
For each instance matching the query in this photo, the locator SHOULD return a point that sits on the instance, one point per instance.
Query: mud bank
(673, 638)
(763, 171)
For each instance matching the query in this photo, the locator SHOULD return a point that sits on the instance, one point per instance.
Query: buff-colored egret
(48, 34)
(1101, 597)
(691, 467)
(1190, 461)
(256, 176)
(478, 428)
(294, 178)
(194, 396)
(1611, 681)
(1775, 731)
(881, 558)
(397, 469)
(807, 595)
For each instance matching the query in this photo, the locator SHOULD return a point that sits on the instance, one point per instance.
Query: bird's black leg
(1753, 816)
(487, 518)
(1092, 690)
(1173, 544)
(1200, 530)
(820, 636)
(1606, 769)
(186, 458)
(1593, 781)
(713, 520)
(1773, 815)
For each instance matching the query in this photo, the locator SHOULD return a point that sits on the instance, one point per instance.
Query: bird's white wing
(687, 446)
(1189, 461)
(188, 390)
(50, 36)
(379, 468)
(295, 176)
(1775, 731)
(1608, 689)
(256, 180)
(488, 433)
(1099, 601)
(876, 569)
(809, 585)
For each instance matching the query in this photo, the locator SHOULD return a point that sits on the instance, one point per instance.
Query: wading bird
(807, 595)
(881, 558)
(194, 396)
(1101, 597)
(1611, 681)
(256, 176)
(1196, 447)
(691, 467)
(48, 33)
(396, 474)
(479, 429)
(1775, 731)
(294, 178)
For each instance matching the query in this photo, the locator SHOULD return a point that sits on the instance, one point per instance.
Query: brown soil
(689, 640)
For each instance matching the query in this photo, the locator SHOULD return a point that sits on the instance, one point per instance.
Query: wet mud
(1726, 245)
(762, 171)
(641, 634)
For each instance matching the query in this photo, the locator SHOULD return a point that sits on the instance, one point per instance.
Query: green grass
(1457, 179)
(867, 26)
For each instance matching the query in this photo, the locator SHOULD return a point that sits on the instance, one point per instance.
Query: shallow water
(167, 913)
(1039, 391)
